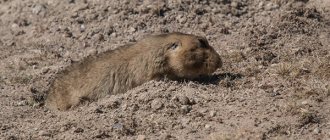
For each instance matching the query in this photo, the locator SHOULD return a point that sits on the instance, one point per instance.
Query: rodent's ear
(203, 43)
(174, 45)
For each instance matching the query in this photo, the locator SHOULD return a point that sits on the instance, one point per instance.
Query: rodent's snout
(194, 58)
(213, 62)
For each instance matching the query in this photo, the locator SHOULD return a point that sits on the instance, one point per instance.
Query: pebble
(14, 25)
(185, 109)
(98, 37)
(260, 5)
(82, 28)
(171, 88)
(62, 129)
(181, 19)
(118, 126)
(185, 121)
(44, 133)
(156, 104)
(131, 30)
(271, 6)
(317, 130)
(212, 113)
(91, 51)
(234, 4)
(305, 102)
(207, 126)
(141, 137)
(80, 20)
(203, 110)
(38, 8)
(71, 1)
(45, 70)
(22, 103)
(184, 100)
(79, 130)
(166, 136)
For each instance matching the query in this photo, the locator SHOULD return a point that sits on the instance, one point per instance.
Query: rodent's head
(190, 56)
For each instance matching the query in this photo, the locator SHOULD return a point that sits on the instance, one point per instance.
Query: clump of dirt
(274, 83)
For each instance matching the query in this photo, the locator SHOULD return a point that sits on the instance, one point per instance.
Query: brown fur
(173, 55)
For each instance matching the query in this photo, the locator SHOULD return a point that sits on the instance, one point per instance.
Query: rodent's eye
(203, 43)
(174, 46)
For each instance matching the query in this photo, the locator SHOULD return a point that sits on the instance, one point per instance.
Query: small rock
(260, 5)
(224, 30)
(181, 19)
(113, 35)
(79, 130)
(175, 99)
(156, 104)
(185, 109)
(22, 103)
(14, 25)
(131, 30)
(118, 126)
(4, 128)
(271, 6)
(91, 51)
(131, 39)
(200, 11)
(212, 113)
(63, 128)
(171, 88)
(141, 137)
(12, 138)
(80, 20)
(234, 4)
(207, 126)
(204, 26)
(45, 70)
(203, 110)
(74, 15)
(34, 67)
(185, 121)
(135, 107)
(98, 110)
(166, 136)
(102, 135)
(82, 28)
(44, 133)
(98, 37)
(68, 34)
(38, 8)
(109, 30)
(72, 1)
(317, 130)
(192, 101)
(184, 100)
(273, 94)
(305, 102)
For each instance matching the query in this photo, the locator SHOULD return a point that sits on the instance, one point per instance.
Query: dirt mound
(274, 83)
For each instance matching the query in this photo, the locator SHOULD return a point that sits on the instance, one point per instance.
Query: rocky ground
(274, 83)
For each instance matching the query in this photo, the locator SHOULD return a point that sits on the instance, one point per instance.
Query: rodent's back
(89, 79)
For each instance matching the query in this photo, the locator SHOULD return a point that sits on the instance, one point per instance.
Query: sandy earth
(274, 83)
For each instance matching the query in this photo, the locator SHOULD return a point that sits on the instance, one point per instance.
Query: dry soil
(274, 83)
